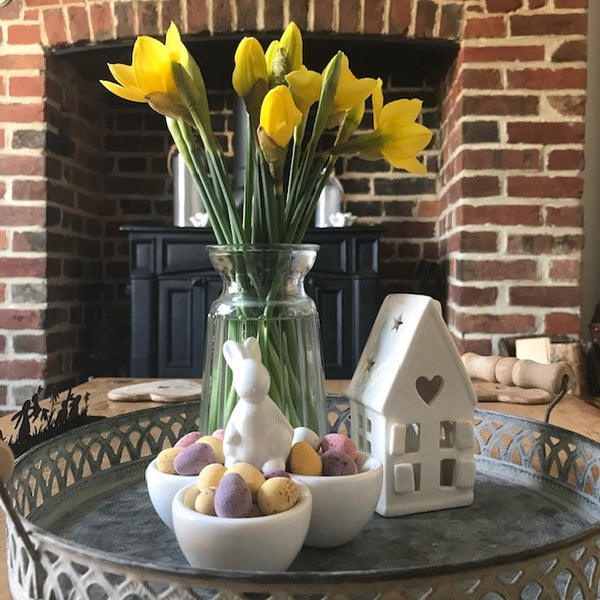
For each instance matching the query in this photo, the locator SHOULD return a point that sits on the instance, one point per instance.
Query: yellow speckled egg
(205, 501)
(216, 444)
(304, 460)
(276, 495)
(250, 474)
(165, 460)
(210, 476)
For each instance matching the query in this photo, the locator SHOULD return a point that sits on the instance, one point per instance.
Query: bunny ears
(235, 352)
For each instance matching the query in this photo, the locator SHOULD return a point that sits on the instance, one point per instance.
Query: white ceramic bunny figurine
(257, 432)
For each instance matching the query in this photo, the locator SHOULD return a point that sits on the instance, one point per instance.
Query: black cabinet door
(333, 297)
(183, 305)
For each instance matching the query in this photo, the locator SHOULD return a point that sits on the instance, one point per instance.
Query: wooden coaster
(163, 390)
(488, 391)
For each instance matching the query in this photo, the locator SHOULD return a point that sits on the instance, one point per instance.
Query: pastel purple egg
(233, 498)
(276, 473)
(337, 441)
(255, 511)
(219, 433)
(188, 439)
(336, 463)
(191, 460)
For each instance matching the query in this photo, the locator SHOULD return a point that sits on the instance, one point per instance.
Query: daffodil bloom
(279, 115)
(352, 119)
(150, 69)
(397, 137)
(305, 86)
(250, 66)
(351, 91)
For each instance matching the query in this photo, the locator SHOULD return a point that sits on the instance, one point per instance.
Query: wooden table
(573, 413)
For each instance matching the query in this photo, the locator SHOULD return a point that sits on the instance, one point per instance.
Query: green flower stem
(248, 183)
(294, 163)
(185, 144)
(310, 208)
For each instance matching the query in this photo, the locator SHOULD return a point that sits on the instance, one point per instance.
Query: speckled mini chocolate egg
(277, 495)
(218, 433)
(233, 498)
(210, 476)
(216, 444)
(255, 512)
(191, 460)
(205, 501)
(165, 460)
(252, 476)
(304, 460)
(337, 441)
(188, 439)
(276, 473)
(336, 462)
(304, 434)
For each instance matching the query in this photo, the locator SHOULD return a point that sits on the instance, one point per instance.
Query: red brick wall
(503, 214)
(511, 184)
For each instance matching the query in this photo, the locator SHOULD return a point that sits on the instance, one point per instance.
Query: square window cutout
(447, 472)
(447, 434)
(413, 437)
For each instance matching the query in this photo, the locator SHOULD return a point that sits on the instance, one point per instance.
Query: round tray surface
(514, 512)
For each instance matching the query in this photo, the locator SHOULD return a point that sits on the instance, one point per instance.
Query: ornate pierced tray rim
(347, 576)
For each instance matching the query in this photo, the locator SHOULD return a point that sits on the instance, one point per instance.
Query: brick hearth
(500, 209)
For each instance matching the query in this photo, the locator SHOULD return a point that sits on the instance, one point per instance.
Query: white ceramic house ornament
(257, 431)
(411, 403)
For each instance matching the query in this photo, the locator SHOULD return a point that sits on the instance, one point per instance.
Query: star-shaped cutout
(397, 323)
(369, 364)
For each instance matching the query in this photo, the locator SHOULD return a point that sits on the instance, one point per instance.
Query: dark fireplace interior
(108, 168)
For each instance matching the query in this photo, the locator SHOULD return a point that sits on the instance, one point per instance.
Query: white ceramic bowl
(268, 543)
(342, 505)
(162, 488)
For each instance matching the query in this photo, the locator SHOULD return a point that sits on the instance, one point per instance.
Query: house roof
(409, 340)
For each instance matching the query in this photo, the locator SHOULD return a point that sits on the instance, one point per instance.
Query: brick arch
(81, 22)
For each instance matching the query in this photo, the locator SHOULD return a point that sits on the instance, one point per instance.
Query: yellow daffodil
(291, 42)
(352, 119)
(350, 90)
(150, 69)
(305, 86)
(279, 115)
(285, 55)
(397, 137)
(250, 66)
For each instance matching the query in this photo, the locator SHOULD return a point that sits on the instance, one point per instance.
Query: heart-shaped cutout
(428, 389)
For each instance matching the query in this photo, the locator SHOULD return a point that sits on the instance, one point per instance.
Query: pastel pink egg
(188, 439)
(337, 441)
(219, 433)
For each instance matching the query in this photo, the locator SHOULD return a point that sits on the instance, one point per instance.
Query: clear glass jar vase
(263, 296)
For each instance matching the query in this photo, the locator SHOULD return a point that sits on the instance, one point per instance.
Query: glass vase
(263, 296)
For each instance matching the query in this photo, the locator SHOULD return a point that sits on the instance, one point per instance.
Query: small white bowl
(162, 488)
(268, 543)
(342, 505)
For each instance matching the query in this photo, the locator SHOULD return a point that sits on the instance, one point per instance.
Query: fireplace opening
(107, 167)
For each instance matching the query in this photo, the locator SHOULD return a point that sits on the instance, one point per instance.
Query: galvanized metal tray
(532, 532)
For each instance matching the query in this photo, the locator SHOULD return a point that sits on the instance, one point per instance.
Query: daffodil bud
(250, 66)
(291, 42)
(279, 115)
(280, 67)
(169, 106)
